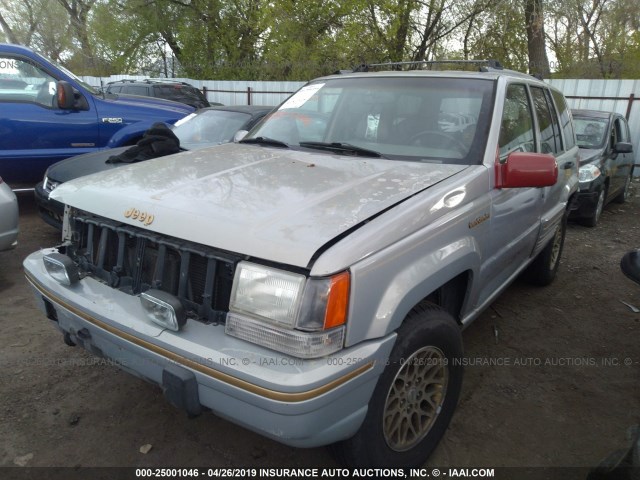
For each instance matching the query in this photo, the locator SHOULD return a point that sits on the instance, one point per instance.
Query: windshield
(429, 119)
(209, 127)
(591, 132)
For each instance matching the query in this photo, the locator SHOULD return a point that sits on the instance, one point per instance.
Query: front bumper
(586, 199)
(303, 403)
(49, 210)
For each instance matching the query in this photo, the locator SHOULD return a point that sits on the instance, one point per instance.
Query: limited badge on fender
(142, 217)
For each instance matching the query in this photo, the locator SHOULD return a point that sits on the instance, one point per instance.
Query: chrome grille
(134, 260)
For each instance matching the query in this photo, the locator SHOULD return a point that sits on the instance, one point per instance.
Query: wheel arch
(452, 295)
(449, 289)
(431, 279)
(130, 134)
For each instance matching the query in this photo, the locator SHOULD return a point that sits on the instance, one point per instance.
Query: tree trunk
(538, 60)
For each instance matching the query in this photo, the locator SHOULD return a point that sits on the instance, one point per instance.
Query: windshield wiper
(345, 148)
(265, 141)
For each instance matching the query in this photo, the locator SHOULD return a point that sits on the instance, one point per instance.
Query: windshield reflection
(210, 127)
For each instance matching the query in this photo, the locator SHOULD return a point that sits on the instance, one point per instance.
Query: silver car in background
(8, 217)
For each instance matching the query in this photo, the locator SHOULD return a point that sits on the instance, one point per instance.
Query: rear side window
(166, 91)
(549, 131)
(565, 120)
(516, 129)
(135, 90)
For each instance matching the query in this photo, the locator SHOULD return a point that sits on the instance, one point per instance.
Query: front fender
(130, 134)
(461, 256)
(385, 292)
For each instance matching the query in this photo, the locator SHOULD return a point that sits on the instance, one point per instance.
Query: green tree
(305, 39)
(595, 38)
(498, 33)
(39, 24)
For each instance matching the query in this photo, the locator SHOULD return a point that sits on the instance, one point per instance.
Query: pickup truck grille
(49, 185)
(135, 260)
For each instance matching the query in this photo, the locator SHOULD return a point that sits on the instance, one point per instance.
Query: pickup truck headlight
(588, 173)
(288, 312)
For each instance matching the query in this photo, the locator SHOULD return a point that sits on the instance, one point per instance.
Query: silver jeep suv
(311, 281)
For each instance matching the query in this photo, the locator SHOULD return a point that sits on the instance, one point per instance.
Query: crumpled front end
(299, 402)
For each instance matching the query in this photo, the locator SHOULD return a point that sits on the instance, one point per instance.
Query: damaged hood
(276, 204)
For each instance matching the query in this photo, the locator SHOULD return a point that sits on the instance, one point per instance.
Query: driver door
(515, 212)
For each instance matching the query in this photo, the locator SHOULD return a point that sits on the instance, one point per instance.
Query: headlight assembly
(588, 173)
(288, 312)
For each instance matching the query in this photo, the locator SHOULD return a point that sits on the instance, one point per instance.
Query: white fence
(227, 92)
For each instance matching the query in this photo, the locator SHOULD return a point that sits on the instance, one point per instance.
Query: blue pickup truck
(48, 114)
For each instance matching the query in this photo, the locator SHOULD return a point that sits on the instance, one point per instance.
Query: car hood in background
(275, 204)
(589, 155)
(82, 165)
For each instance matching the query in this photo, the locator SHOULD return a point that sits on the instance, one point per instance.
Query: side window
(164, 91)
(549, 134)
(22, 81)
(516, 129)
(565, 120)
(136, 90)
(115, 89)
(554, 121)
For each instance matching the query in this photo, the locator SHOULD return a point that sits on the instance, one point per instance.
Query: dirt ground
(552, 378)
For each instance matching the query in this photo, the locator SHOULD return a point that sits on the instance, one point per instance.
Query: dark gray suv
(169, 90)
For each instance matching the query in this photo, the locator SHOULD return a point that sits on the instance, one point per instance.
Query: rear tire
(415, 397)
(543, 269)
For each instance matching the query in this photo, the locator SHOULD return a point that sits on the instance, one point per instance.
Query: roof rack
(166, 80)
(124, 80)
(149, 81)
(486, 65)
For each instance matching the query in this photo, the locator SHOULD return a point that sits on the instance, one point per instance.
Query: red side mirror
(526, 169)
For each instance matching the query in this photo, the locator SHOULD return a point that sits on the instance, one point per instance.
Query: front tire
(415, 397)
(592, 220)
(625, 195)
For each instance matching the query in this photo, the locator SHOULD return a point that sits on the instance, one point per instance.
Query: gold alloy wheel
(415, 398)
